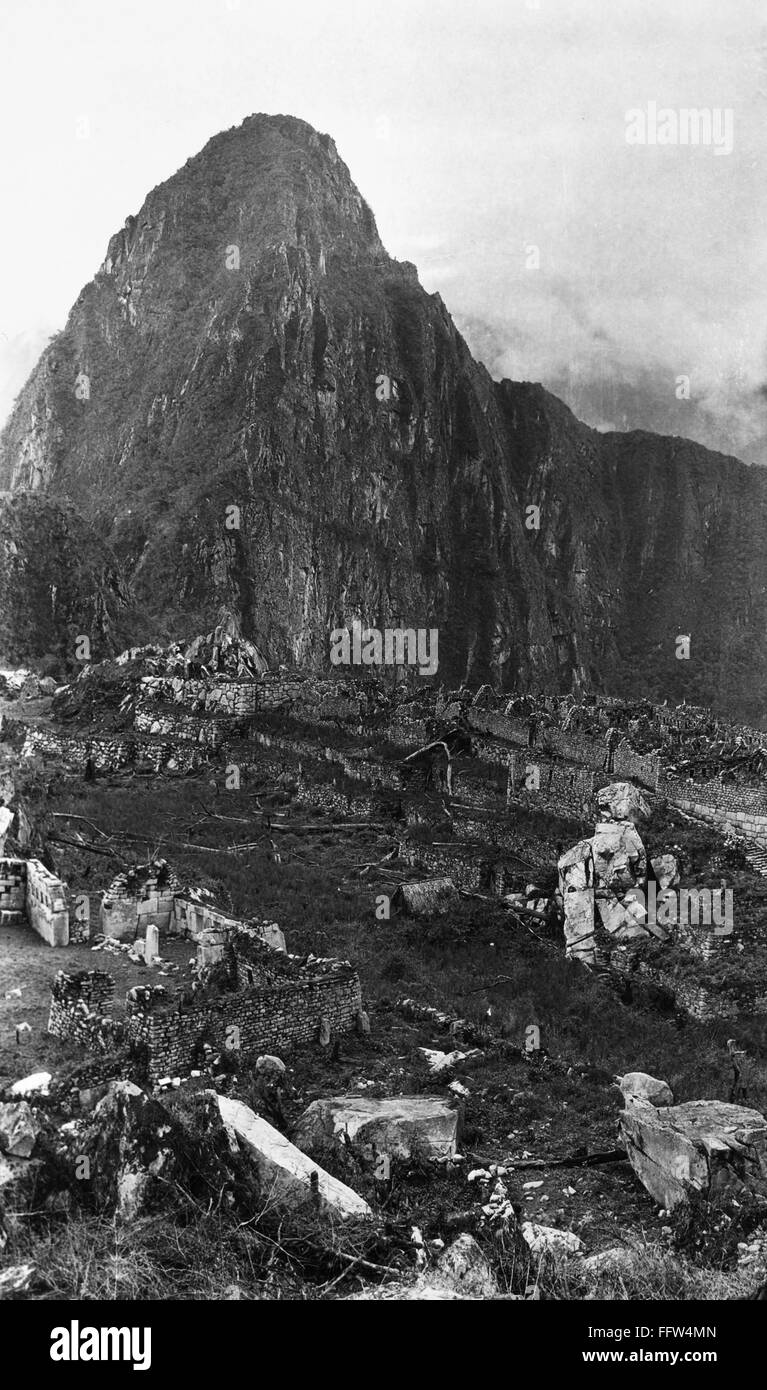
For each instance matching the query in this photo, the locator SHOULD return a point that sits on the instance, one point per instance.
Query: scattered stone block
(400, 1126)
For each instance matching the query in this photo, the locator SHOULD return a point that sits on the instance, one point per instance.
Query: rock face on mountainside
(58, 581)
(254, 409)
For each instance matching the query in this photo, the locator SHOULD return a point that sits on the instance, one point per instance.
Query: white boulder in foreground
(286, 1174)
(399, 1126)
(706, 1146)
(550, 1240)
(37, 1084)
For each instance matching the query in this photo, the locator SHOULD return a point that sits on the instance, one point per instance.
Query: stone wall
(753, 826)
(700, 1001)
(474, 873)
(638, 767)
(487, 751)
(510, 729)
(575, 748)
(721, 796)
(111, 754)
(248, 1022)
(13, 890)
(84, 914)
(77, 1005)
(563, 787)
(46, 905)
(236, 698)
(132, 902)
(203, 922)
(326, 797)
(187, 728)
(407, 730)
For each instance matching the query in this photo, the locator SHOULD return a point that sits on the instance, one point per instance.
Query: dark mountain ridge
(248, 344)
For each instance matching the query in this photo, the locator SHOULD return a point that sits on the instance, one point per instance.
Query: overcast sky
(475, 129)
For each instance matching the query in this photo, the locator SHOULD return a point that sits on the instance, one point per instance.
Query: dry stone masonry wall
(274, 1018)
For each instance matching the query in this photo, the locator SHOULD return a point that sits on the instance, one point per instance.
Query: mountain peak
(252, 408)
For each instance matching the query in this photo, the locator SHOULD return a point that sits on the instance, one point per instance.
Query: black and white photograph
(383, 669)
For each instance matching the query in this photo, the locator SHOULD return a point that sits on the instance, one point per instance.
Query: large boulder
(132, 1144)
(639, 1085)
(576, 885)
(287, 1178)
(620, 858)
(622, 801)
(18, 1129)
(704, 1146)
(398, 1126)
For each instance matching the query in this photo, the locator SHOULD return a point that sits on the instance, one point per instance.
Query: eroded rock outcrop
(704, 1146)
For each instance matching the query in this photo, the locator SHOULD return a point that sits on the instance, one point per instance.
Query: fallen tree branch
(90, 849)
(353, 1261)
(499, 902)
(70, 815)
(573, 1161)
(490, 984)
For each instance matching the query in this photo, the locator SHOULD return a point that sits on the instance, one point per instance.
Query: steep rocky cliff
(254, 408)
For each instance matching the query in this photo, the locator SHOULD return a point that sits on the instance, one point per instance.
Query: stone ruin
(31, 893)
(142, 894)
(264, 1002)
(606, 882)
(146, 896)
(597, 875)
